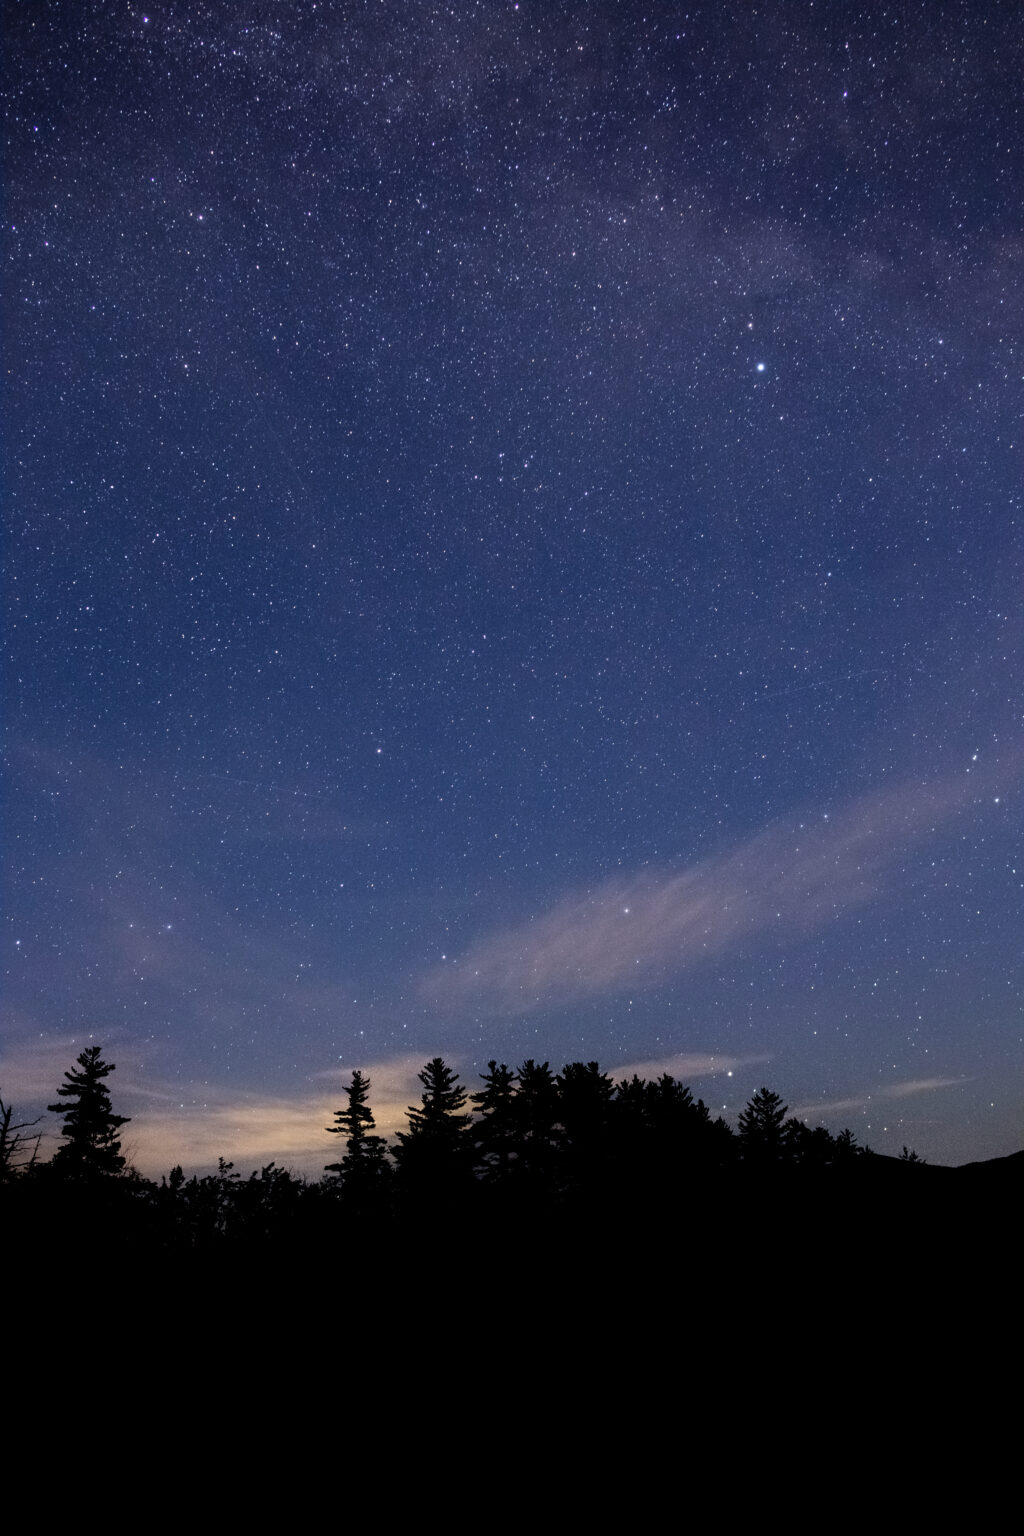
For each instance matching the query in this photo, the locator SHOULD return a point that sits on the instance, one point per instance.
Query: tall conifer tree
(436, 1145)
(366, 1153)
(90, 1141)
(761, 1125)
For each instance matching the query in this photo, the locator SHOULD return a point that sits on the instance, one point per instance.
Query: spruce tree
(536, 1109)
(585, 1098)
(90, 1141)
(436, 1147)
(762, 1128)
(367, 1153)
(495, 1133)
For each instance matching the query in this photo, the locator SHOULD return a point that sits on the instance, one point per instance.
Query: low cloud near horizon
(194, 1123)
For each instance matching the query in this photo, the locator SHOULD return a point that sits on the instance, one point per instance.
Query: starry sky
(514, 548)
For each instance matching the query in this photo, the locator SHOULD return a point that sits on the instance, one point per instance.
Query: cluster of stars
(455, 463)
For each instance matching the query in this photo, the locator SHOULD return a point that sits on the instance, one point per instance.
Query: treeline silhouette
(532, 1150)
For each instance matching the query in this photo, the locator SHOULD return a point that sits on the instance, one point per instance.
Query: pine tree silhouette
(437, 1145)
(494, 1134)
(761, 1125)
(366, 1156)
(91, 1144)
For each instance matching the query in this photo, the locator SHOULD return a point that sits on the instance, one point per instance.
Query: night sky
(514, 548)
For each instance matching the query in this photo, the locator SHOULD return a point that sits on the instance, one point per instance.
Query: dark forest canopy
(531, 1145)
(562, 1177)
(527, 1124)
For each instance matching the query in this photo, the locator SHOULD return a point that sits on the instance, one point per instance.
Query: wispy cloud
(685, 1066)
(792, 879)
(918, 1085)
(34, 1065)
(826, 1109)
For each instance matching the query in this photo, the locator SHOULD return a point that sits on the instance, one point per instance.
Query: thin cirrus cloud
(686, 1066)
(877, 1096)
(790, 880)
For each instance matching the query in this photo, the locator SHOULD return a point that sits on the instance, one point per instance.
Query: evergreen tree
(663, 1134)
(367, 1153)
(762, 1133)
(811, 1148)
(847, 1146)
(536, 1116)
(494, 1134)
(439, 1116)
(436, 1145)
(686, 1123)
(91, 1144)
(585, 1098)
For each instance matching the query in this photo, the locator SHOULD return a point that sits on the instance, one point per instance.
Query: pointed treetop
(90, 1141)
